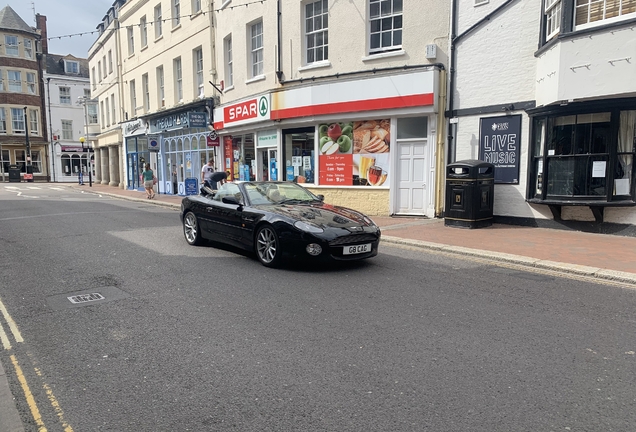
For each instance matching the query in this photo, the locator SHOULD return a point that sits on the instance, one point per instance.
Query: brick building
(22, 116)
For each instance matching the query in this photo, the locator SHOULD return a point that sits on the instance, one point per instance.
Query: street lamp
(90, 167)
(28, 176)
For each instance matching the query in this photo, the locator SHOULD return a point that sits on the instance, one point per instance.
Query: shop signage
(377, 92)
(198, 119)
(249, 111)
(153, 143)
(267, 138)
(191, 186)
(71, 149)
(135, 127)
(213, 139)
(499, 142)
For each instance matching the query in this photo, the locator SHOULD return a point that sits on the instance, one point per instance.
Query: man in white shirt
(206, 173)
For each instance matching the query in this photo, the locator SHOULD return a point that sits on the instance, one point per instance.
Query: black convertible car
(277, 218)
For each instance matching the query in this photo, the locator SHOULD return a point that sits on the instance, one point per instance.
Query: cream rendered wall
(179, 41)
(348, 40)
(236, 22)
(110, 83)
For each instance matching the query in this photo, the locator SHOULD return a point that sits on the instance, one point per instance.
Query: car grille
(353, 238)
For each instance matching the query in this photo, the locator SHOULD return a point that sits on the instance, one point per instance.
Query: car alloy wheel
(191, 229)
(268, 246)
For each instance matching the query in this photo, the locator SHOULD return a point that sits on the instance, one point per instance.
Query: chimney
(40, 21)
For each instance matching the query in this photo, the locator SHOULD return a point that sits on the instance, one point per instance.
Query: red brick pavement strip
(597, 255)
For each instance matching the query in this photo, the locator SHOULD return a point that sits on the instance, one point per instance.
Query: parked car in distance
(274, 219)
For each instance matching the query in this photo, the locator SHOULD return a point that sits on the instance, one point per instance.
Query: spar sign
(248, 111)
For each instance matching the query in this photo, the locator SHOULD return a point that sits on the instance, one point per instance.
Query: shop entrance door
(136, 164)
(267, 164)
(412, 189)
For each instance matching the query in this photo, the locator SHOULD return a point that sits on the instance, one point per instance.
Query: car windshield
(277, 193)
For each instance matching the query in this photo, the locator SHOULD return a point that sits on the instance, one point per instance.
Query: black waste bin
(470, 190)
(14, 173)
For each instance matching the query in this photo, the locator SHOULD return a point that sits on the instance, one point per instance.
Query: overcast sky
(63, 18)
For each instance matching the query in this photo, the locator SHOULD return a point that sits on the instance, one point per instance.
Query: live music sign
(248, 111)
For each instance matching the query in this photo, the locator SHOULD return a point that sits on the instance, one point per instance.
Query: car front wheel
(268, 248)
(191, 229)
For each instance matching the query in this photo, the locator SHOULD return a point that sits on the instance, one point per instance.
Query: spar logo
(253, 109)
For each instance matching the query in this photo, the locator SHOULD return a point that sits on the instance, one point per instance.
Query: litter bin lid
(473, 168)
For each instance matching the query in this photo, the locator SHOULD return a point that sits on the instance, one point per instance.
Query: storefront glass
(137, 155)
(584, 156)
(184, 156)
(298, 155)
(243, 158)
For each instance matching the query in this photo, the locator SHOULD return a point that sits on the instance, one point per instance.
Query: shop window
(36, 162)
(298, 155)
(583, 156)
(5, 160)
(20, 159)
(243, 158)
(66, 164)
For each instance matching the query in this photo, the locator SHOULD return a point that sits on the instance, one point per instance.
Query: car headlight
(308, 227)
(369, 221)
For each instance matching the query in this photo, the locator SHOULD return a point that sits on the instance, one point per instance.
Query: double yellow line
(35, 412)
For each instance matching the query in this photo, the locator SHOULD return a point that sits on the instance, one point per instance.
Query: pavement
(603, 258)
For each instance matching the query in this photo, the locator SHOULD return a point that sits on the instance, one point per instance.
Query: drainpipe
(439, 152)
(213, 70)
(48, 94)
(452, 129)
(279, 31)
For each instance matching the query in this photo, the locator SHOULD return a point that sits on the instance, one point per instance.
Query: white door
(412, 190)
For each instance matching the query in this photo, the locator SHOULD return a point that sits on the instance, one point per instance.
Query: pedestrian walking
(148, 177)
(206, 173)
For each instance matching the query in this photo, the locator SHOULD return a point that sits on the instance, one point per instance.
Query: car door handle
(209, 210)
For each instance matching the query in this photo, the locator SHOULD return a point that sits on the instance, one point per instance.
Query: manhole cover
(86, 298)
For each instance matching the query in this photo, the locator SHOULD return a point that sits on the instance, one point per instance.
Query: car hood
(323, 215)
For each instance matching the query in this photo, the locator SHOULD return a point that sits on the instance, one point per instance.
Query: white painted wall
(495, 63)
(588, 66)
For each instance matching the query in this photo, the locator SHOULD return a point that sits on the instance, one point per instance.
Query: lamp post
(89, 165)
(83, 100)
(28, 176)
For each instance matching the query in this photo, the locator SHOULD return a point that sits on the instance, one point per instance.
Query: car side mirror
(321, 197)
(230, 200)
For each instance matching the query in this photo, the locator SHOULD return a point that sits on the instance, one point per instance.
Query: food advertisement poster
(355, 153)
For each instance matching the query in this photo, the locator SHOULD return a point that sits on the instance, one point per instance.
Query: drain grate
(83, 298)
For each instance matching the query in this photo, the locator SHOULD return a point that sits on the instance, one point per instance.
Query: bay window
(583, 157)
(590, 12)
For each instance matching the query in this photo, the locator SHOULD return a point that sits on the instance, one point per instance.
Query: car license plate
(351, 250)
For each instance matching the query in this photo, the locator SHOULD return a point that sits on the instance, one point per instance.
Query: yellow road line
(56, 404)
(5, 340)
(12, 325)
(29, 397)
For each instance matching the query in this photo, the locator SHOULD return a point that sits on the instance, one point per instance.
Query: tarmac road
(207, 339)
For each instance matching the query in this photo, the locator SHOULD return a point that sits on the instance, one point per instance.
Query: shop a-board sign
(355, 153)
(499, 144)
(191, 184)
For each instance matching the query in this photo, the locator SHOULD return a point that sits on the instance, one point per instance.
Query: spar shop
(366, 142)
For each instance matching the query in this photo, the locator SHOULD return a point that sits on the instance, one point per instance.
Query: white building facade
(546, 91)
(67, 90)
